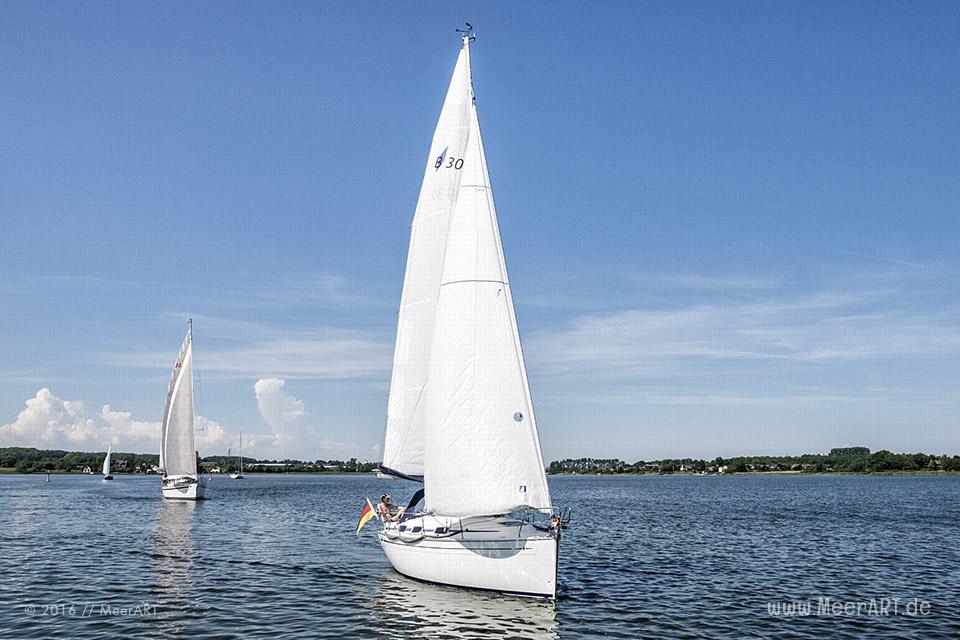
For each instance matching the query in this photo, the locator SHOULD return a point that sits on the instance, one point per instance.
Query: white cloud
(693, 281)
(123, 428)
(282, 412)
(49, 422)
(325, 353)
(312, 290)
(823, 328)
(292, 436)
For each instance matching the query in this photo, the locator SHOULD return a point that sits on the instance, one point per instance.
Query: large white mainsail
(482, 453)
(403, 446)
(178, 458)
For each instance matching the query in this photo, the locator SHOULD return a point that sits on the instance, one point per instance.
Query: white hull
(192, 491)
(487, 554)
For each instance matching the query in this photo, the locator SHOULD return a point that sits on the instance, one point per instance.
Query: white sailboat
(178, 457)
(460, 417)
(106, 464)
(239, 475)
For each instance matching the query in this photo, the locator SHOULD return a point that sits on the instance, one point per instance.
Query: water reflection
(405, 608)
(172, 559)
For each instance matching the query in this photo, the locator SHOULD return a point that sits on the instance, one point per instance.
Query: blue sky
(731, 228)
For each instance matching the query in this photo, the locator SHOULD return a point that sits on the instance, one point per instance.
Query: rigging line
(198, 405)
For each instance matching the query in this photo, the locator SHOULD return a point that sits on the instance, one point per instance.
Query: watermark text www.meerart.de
(825, 606)
(89, 610)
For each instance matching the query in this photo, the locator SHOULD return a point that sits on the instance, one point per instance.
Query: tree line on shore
(30, 460)
(843, 460)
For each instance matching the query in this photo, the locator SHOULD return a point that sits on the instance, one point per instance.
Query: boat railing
(558, 517)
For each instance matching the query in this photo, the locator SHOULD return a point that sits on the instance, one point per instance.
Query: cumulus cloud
(282, 412)
(291, 434)
(121, 424)
(49, 422)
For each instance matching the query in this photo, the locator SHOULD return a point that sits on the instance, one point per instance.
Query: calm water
(657, 557)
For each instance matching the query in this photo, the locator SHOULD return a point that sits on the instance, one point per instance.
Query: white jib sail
(106, 461)
(482, 454)
(403, 444)
(177, 448)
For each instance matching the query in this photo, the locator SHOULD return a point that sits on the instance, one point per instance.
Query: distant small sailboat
(178, 454)
(106, 464)
(239, 475)
(460, 418)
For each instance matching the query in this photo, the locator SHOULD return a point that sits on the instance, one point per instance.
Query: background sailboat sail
(403, 446)
(106, 461)
(482, 452)
(177, 449)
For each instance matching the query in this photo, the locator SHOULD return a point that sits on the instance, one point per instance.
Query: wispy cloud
(312, 290)
(825, 327)
(263, 350)
(694, 281)
(694, 397)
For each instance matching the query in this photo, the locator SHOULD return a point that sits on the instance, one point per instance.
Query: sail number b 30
(452, 163)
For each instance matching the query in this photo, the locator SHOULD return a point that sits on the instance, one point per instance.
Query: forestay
(481, 450)
(177, 450)
(403, 446)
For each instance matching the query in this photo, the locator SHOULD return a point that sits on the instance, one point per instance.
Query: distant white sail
(106, 461)
(403, 446)
(177, 449)
(482, 453)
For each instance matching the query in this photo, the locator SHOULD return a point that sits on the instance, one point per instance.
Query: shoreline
(680, 474)
(918, 472)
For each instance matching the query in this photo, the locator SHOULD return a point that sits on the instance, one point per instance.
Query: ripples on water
(656, 557)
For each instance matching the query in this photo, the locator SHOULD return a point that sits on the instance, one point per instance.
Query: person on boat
(389, 512)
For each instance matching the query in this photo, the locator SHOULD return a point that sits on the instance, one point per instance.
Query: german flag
(366, 515)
